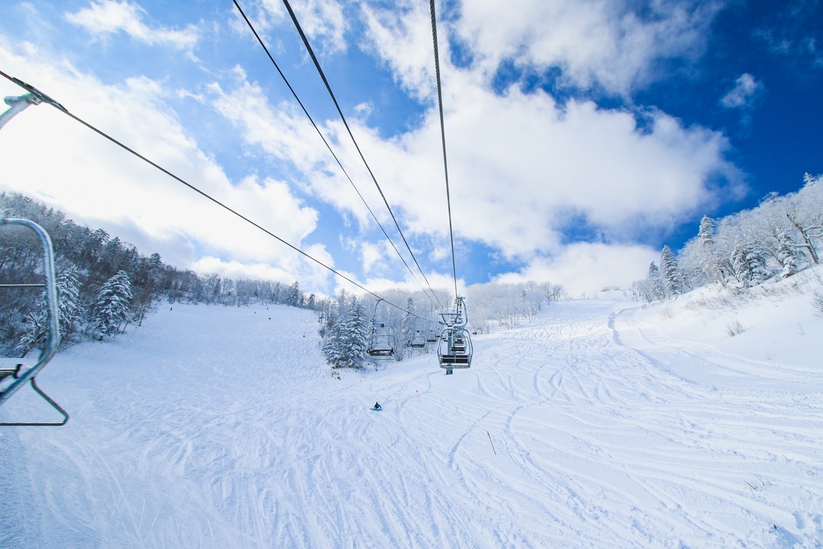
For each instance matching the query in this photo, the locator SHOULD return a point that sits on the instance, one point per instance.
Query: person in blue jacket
(377, 406)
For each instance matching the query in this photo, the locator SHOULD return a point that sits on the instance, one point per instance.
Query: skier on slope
(377, 406)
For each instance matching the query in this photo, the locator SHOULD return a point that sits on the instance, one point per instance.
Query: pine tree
(654, 284)
(36, 330)
(111, 308)
(348, 341)
(706, 232)
(707, 253)
(407, 332)
(670, 272)
(749, 263)
(787, 254)
(68, 295)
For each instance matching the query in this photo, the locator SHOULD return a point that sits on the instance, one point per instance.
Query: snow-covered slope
(217, 427)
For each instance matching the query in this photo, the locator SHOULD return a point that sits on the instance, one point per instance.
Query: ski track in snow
(217, 427)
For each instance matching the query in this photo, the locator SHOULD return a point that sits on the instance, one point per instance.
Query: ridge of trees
(776, 239)
(104, 284)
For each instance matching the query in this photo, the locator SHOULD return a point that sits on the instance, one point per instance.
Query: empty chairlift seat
(418, 340)
(382, 341)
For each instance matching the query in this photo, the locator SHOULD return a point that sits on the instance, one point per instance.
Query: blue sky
(582, 135)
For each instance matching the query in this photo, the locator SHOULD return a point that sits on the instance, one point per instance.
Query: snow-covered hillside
(612, 426)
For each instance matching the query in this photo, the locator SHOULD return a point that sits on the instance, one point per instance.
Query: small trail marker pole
(418, 395)
(492, 443)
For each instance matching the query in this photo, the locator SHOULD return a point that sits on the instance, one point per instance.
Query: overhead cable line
(325, 142)
(348, 129)
(46, 99)
(443, 138)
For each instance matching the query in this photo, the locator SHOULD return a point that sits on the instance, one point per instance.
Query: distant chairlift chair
(14, 372)
(382, 341)
(432, 333)
(418, 340)
(455, 347)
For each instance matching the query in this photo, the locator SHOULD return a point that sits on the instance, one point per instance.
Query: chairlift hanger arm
(38, 96)
(18, 104)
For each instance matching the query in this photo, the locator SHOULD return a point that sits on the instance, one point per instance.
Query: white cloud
(596, 43)
(524, 171)
(106, 17)
(585, 268)
(521, 168)
(283, 132)
(310, 274)
(402, 38)
(442, 283)
(95, 182)
(746, 90)
(321, 20)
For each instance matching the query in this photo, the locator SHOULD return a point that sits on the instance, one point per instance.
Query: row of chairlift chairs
(454, 344)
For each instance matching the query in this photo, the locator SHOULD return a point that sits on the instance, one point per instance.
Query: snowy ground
(613, 426)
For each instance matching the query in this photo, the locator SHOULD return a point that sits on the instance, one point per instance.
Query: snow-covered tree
(706, 252)
(653, 288)
(705, 233)
(670, 272)
(806, 214)
(787, 255)
(111, 308)
(749, 263)
(68, 295)
(407, 331)
(348, 341)
(294, 296)
(37, 328)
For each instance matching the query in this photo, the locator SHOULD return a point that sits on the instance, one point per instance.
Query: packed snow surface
(600, 424)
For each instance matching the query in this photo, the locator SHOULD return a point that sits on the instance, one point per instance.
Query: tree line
(776, 239)
(104, 284)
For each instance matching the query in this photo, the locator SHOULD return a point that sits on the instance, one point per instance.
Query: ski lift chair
(431, 333)
(455, 348)
(15, 372)
(382, 341)
(418, 341)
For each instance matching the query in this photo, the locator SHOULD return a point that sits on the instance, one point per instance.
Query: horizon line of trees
(779, 237)
(104, 284)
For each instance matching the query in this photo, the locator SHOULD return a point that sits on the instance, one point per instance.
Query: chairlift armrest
(11, 367)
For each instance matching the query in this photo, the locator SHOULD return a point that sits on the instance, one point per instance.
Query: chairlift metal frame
(16, 368)
(454, 351)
